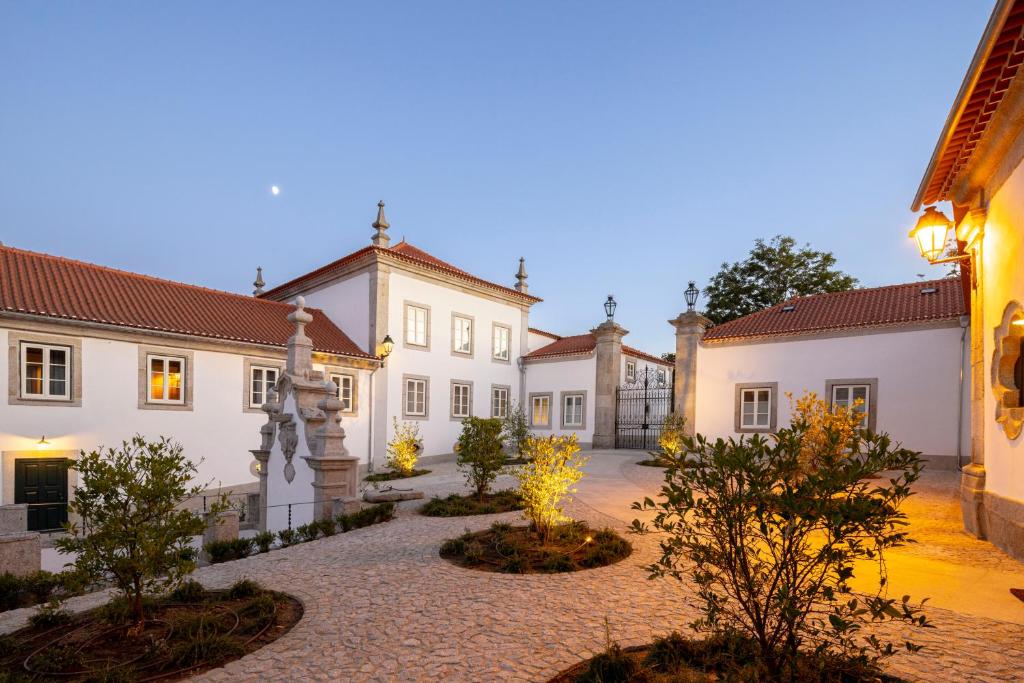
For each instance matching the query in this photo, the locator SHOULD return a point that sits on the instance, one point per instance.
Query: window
(572, 410)
(417, 325)
(45, 372)
(462, 393)
(500, 336)
(756, 406)
(540, 410)
(414, 403)
(166, 379)
(261, 380)
(630, 371)
(462, 335)
(848, 396)
(346, 391)
(499, 402)
(661, 377)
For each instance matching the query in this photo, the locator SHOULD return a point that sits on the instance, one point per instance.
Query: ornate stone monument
(304, 465)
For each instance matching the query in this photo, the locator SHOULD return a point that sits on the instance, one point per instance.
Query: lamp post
(691, 295)
(610, 306)
(387, 345)
(931, 234)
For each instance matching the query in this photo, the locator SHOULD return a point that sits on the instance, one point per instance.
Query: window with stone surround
(165, 378)
(262, 379)
(346, 392)
(859, 394)
(630, 371)
(499, 401)
(462, 399)
(540, 411)
(417, 326)
(756, 407)
(415, 398)
(45, 372)
(574, 409)
(501, 336)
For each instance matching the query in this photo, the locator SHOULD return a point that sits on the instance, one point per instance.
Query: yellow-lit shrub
(555, 465)
(404, 447)
(671, 439)
(825, 431)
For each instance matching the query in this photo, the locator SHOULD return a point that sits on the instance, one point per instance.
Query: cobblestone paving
(381, 605)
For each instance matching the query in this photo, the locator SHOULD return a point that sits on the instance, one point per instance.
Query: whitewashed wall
(917, 371)
(217, 433)
(642, 365)
(439, 431)
(576, 373)
(347, 304)
(537, 341)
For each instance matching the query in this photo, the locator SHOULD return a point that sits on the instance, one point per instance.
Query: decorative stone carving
(289, 441)
(1005, 367)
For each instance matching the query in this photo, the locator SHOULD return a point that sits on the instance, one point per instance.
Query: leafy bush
(404, 448)
(455, 505)
(243, 588)
(263, 540)
(188, 591)
(22, 591)
(515, 429)
(202, 641)
(554, 467)
(225, 551)
(130, 499)
(479, 452)
(308, 532)
(287, 537)
(327, 526)
(770, 529)
(672, 432)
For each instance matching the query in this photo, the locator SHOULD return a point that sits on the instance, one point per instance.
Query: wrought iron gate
(641, 406)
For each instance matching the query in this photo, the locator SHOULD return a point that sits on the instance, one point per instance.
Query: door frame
(7, 459)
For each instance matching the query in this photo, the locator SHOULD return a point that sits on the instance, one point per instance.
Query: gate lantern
(609, 307)
(691, 295)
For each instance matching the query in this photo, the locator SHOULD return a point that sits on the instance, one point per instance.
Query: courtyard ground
(381, 605)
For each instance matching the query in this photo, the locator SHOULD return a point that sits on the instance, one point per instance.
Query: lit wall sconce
(932, 234)
(42, 444)
(386, 347)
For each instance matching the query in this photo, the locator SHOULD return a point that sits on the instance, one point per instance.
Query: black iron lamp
(386, 347)
(691, 295)
(609, 307)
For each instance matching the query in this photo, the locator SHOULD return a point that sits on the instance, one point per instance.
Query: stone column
(971, 231)
(609, 367)
(300, 347)
(690, 328)
(335, 472)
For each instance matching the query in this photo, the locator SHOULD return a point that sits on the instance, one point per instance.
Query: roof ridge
(141, 276)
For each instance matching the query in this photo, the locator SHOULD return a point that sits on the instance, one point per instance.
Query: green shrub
(308, 532)
(455, 505)
(263, 540)
(243, 588)
(454, 546)
(225, 551)
(49, 615)
(23, 591)
(327, 526)
(557, 562)
(515, 429)
(287, 537)
(479, 452)
(188, 591)
(202, 642)
(611, 666)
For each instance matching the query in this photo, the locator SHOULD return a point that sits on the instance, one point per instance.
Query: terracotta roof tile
(580, 344)
(403, 251)
(857, 308)
(56, 287)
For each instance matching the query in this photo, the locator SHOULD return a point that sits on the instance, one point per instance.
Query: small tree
(824, 429)
(771, 543)
(515, 430)
(555, 466)
(404, 448)
(671, 438)
(479, 452)
(133, 530)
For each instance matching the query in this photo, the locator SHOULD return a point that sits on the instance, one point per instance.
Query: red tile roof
(580, 344)
(857, 308)
(403, 251)
(995, 64)
(56, 287)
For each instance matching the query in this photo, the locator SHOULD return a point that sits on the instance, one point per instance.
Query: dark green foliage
(49, 615)
(308, 532)
(515, 564)
(23, 591)
(225, 551)
(460, 506)
(515, 429)
(58, 658)
(773, 272)
(243, 588)
(392, 475)
(382, 512)
(130, 500)
(188, 591)
(264, 540)
(203, 641)
(670, 653)
(287, 537)
(327, 526)
(558, 562)
(479, 452)
(770, 533)
(453, 546)
(611, 666)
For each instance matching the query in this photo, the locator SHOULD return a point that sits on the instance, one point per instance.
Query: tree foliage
(479, 452)
(773, 272)
(772, 543)
(404, 448)
(133, 530)
(515, 430)
(555, 465)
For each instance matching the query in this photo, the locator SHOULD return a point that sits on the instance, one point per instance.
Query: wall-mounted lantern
(931, 234)
(691, 295)
(386, 347)
(42, 444)
(610, 306)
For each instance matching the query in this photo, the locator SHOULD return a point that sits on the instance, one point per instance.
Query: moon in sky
(275, 190)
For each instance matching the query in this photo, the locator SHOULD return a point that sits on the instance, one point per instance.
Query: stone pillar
(609, 367)
(335, 472)
(971, 231)
(300, 347)
(690, 328)
(221, 526)
(20, 553)
(13, 518)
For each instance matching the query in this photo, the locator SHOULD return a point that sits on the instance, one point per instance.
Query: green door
(43, 484)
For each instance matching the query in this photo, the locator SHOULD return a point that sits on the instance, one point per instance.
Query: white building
(901, 350)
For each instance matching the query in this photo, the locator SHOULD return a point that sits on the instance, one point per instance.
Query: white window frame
(866, 409)
(457, 409)
(662, 376)
(630, 371)
(499, 399)
(68, 368)
(150, 357)
(414, 309)
(415, 381)
(340, 379)
(534, 398)
(496, 354)
(753, 392)
(464, 349)
(572, 396)
(265, 384)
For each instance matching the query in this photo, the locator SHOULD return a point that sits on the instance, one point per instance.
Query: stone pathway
(381, 605)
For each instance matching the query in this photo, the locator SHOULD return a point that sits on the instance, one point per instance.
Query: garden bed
(459, 506)
(391, 475)
(188, 632)
(674, 658)
(519, 550)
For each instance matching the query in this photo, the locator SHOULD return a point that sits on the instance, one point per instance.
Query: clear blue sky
(620, 147)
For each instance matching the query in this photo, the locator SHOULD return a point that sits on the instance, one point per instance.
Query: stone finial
(381, 239)
(300, 347)
(258, 282)
(521, 276)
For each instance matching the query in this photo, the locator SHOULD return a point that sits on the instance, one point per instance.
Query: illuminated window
(346, 391)
(261, 381)
(540, 410)
(499, 402)
(417, 325)
(166, 379)
(462, 335)
(461, 398)
(500, 342)
(46, 372)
